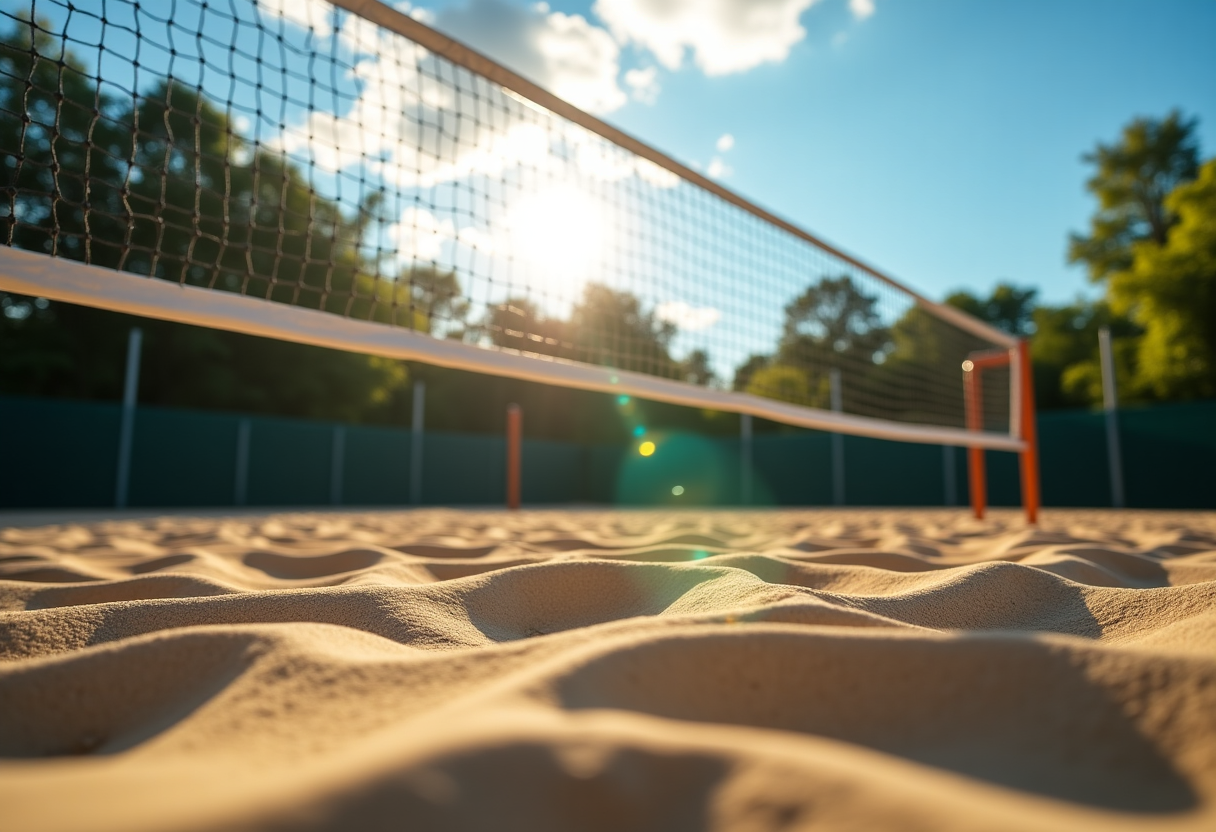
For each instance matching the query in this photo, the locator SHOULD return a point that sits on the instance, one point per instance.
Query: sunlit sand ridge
(610, 671)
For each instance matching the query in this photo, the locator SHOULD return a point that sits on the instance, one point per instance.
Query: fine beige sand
(610, 671)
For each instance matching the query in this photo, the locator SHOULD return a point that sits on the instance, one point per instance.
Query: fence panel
(289, 462)
(793, 469)
(57, 453)
(1169, 455)
(464, 469)
(377, 467)
(62, 453)
(183, 458)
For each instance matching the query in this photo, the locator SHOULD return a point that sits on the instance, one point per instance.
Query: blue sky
(940, 141)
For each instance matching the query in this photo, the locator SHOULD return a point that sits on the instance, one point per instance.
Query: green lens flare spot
(622, 400)
(677, 490)
(639, 431)
(700, 554)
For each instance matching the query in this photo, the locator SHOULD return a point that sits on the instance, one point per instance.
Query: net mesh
(296, 152)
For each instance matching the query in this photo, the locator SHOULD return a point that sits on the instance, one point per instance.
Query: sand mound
(610, 671)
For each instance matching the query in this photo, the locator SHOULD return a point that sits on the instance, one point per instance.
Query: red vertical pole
(514, 434)
(1029, 458)
(977, 478)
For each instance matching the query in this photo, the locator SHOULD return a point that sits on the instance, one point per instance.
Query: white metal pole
(416, 428)
(745, 453)
(1110, 403)
(337, 459)
(240, 488)
(126, 432)
(837, 442)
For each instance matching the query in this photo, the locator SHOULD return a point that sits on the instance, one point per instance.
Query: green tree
(695, 368)
(611, 328)
(1008, 308)
(1133, 176)
(832, 324)
(1169, 290)
(745, 371)
(519, 325)
(832, 320)
(162, 186)
(789, 384)
(1064, 353)
(61, 148)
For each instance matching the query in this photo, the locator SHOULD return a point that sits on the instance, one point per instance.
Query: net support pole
(514, 440)
(337, 462)
(1029, 456)
(416, 429)
(240, 487)
(837, 441)
(976, 475)
(1110, 404)
(126, 430)
(745, 459)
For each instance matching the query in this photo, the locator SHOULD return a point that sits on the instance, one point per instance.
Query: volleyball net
(342, 175)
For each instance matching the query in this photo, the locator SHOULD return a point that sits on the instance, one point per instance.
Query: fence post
(745, 453)
(1110, 403)
(837, 441)
(514, 439)
(416, 428)
(337, 460)
(949, 480)
(126, 433)
(240, 488)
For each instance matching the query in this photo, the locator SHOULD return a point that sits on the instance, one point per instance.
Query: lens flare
(677, 490)
(639, 431)
(646, 448)
(622, 400)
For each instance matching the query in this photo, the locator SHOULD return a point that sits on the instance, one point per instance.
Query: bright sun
(558, 233)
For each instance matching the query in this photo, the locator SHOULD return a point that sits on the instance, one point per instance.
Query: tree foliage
(1132, 179)
(1008, 308)
(1169, 290)
(832, 324)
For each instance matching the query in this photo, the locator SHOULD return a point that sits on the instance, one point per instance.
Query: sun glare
(560, 233)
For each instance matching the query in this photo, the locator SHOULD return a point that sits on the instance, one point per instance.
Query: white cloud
(861, 9)
(644, 83)
(725, 142)
(725, 36)
(688, 318)
(307, 14)
(565, 54)
(411, 127)
(718, 169)
(476, 239)
(839, 38)
(420, 235)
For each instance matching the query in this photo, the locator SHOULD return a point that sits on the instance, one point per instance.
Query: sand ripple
(581, 670)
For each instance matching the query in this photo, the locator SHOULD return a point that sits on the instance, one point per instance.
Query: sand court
(538, 670)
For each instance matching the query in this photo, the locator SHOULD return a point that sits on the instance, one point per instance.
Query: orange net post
(976, 475)
(1029, 458)
(514, 440)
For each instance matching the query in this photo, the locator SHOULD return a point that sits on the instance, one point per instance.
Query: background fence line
(63, 453)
